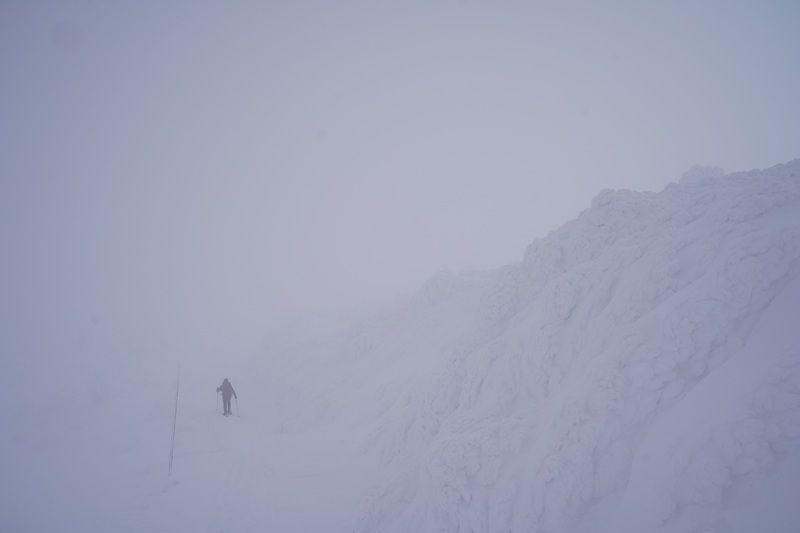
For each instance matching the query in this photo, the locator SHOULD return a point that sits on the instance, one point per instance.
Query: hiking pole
(237, 407)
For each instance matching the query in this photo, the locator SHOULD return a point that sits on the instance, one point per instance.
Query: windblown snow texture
(638, 370)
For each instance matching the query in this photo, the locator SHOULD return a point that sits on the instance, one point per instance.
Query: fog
(193, 173)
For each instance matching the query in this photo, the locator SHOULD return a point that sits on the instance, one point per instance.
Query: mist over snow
(638, 370)
(343, 208)
(191, 173)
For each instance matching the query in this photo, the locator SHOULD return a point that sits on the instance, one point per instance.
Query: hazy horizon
(197, 171)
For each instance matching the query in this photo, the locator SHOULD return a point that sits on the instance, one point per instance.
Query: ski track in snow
(638, 370)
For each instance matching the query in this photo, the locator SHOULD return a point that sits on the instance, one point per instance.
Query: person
(227, 391)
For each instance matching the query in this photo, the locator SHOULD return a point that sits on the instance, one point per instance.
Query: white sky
(197, 169)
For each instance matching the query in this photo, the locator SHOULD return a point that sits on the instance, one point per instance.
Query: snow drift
(638, 370)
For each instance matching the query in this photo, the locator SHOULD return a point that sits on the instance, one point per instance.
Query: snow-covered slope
(638, 370)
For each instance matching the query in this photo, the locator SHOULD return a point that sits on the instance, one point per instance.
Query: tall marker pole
(174, 421)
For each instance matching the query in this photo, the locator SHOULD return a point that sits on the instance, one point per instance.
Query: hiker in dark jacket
(227, 391)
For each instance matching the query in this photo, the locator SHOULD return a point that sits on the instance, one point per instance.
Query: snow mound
(638, 370)
(700, 174)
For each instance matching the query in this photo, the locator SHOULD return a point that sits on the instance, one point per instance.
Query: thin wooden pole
(174, 422)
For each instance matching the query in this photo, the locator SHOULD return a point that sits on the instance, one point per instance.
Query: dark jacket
(227, 389)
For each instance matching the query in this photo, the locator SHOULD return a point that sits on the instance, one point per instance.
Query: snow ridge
(555, 394)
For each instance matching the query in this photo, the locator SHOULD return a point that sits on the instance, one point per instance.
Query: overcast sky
(199, 169)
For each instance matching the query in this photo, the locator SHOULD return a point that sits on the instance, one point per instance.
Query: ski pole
(237, 407)
(217, 400)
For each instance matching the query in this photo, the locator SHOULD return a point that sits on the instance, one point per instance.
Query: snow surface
(638, 370)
